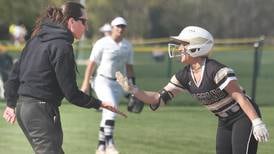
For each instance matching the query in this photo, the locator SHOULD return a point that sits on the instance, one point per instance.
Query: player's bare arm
(236, 93)
(89, 71)
(130, 70)
(260, 131)
(151, 97)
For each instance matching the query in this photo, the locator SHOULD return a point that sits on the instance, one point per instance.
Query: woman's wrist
(134, 89)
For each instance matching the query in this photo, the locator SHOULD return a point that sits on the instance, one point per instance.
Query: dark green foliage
(158, 18)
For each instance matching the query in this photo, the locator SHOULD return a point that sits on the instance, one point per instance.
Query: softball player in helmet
(215, 86)
(110, 54)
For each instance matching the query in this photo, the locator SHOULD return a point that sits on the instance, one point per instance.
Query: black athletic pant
(236, 137)
(40, 122)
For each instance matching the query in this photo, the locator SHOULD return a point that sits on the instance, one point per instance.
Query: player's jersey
(113, 56)
(210, 91)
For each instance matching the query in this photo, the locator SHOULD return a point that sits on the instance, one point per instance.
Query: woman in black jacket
(44, 75)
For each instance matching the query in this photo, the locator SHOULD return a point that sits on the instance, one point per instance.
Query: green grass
(171, 130)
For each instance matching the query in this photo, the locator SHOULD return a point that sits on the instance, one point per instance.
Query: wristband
(134, 90)
(256, 121)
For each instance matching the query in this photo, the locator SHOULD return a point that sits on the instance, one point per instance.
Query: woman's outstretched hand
(113, 109)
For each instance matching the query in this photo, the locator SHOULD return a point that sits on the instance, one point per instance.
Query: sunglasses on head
(83, 20)
(121, 26)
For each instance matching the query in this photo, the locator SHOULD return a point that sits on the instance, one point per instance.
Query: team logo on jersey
(190, 83)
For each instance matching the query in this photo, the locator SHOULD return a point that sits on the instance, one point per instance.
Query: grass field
(183, 127)
(171, 130)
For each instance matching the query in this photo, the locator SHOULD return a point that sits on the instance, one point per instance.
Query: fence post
(256, 65)
(169, 66)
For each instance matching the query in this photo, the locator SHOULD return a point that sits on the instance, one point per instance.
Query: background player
(111, 54)
(215, 86)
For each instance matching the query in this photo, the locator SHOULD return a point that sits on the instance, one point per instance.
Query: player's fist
(260, 131)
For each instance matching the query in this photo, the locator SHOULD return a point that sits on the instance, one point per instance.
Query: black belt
(29, 99)
(223, 114)
(110, 78)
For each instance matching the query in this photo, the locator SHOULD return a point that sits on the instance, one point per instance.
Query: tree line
(158, 18)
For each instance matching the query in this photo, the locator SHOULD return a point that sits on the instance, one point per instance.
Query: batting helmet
(135, 105)
(200, 41)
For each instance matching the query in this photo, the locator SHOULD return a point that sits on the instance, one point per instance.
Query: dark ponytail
(59, 15)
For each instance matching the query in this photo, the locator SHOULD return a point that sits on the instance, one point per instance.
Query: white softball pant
(109, 91)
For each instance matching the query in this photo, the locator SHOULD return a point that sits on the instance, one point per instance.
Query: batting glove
(260, 131)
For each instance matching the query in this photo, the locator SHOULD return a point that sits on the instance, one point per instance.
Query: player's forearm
(88, 73)
(236, 93)
(245, 105)
(130, 71)
(86, 79)
(247, 108)
(148, 97)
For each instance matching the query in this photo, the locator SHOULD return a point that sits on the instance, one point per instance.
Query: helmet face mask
(200, 42)
(173, 50)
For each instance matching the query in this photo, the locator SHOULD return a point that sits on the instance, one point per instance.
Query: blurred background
(237, 25)
(243, 30)
(157, 18)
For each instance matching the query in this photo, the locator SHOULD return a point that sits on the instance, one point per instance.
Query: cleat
(100, 151)
(111, 150)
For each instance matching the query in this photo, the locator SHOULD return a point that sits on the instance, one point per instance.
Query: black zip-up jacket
(46, 70)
